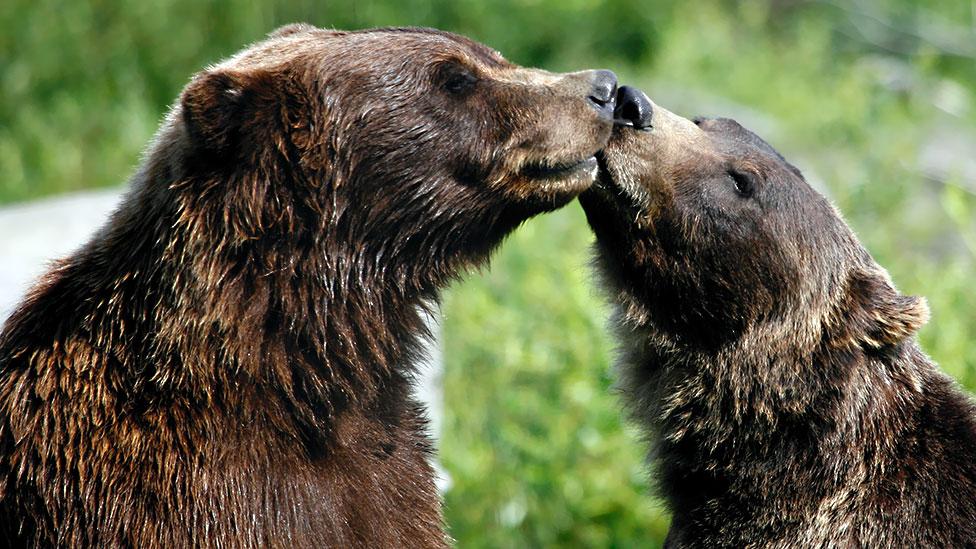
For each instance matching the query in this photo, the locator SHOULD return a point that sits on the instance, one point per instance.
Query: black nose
(603, 91)
(633, 108)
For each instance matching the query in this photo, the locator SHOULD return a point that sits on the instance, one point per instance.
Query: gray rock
(35, 233)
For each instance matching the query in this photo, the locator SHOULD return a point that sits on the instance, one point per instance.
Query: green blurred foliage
(874, 99)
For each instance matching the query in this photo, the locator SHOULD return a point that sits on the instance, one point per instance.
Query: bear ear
(216, 103)
(879, 316)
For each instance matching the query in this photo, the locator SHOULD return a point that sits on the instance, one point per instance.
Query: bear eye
(457, 79)
(743, 183)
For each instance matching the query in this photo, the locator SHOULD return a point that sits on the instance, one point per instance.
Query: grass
(533, 437)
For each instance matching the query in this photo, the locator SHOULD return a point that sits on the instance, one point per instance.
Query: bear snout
(633, 108)
(603, 92)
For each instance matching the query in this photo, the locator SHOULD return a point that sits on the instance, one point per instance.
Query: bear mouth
(560, 170)
(613, 195)
(610, 210)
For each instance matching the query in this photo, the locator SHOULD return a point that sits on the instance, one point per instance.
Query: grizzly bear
(769, 358)
(228, 362)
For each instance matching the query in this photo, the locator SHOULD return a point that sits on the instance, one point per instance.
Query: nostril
(629, 111)
(633, 108)
(603, 90)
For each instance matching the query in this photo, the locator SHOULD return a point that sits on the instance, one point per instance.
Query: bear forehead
(426, 38)
(362, 46)
(745, 147)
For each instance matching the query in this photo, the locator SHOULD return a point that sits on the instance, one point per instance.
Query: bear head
(401, 153)
(710, 237)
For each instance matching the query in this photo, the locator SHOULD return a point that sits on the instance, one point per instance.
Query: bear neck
(764, 430)
(284, 325)
(314, 332)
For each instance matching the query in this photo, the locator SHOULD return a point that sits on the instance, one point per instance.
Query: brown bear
(228, 362)
(769, 358)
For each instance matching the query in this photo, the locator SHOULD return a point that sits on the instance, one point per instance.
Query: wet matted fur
(228, 362)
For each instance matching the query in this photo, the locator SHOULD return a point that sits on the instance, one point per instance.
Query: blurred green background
(874, 99)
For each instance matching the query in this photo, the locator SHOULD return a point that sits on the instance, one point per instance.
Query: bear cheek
(570, 129)
(720, 279)
(542, 127)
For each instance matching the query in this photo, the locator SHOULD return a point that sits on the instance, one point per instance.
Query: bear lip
(604, 180)
(558, 170)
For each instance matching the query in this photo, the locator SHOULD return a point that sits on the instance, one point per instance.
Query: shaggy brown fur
(770, 359)
(228, 362)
